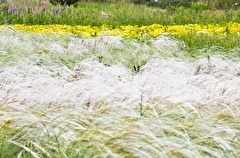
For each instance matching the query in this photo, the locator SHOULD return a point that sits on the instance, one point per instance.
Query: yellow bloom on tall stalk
(179, 30)
(129, 31)
(234, 28)
(153, 30)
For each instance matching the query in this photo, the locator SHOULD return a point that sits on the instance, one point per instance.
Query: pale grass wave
(73, 97)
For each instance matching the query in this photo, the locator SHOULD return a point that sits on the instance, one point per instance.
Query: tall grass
(82, 97)
(74, 97)
(111, 131)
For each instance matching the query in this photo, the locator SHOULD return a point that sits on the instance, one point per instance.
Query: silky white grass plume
(73, 97)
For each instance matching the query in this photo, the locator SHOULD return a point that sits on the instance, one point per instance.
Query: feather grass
(73, 105)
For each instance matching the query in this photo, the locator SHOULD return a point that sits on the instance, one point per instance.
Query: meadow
(119, 80)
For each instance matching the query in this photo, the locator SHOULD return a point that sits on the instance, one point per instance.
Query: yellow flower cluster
(133, 31)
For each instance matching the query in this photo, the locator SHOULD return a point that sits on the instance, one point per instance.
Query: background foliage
(116, 13)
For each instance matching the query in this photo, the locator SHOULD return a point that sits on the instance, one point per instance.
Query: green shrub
(223, 4)
(176, 3)
(164, 3)
(64, 2)
(200, 6)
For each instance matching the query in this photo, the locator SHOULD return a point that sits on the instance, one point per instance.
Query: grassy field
(200, 25)
(113, 13)
(80, 91)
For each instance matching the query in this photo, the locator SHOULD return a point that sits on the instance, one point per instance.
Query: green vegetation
(64, 2)
(115, 14)
(119, 13)
(73, 97)
(174, 131)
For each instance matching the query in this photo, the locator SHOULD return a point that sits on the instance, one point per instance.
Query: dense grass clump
(173, 131)
(81, 97)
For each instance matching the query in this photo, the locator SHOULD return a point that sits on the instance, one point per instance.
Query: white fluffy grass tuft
(72, 97)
